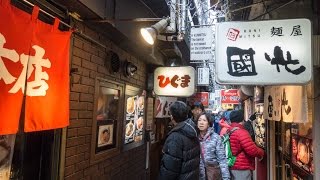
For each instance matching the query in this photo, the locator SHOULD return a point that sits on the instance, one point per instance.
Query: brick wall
(89, 59)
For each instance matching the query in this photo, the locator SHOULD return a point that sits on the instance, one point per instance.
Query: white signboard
(203, 76)
(201, 43)
(174, 81)
(264, 52)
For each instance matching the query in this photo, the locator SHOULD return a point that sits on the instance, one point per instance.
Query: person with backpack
(243, 148)
(213, 162)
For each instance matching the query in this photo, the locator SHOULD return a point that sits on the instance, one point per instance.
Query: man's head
(197, 108)
(178, 111)
(236, 116)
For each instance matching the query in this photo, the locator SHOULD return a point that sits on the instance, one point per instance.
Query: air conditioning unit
(316, 50)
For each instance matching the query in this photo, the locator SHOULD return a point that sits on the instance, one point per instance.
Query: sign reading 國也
(174, 81)
(264, 52)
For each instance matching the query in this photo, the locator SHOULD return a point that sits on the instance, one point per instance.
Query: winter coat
(213, 152)
(224, 126)
(243, 148)
(181, 153)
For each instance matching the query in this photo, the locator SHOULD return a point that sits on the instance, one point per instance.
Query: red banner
(34, 59)
(15, 38)
(202, 97)
(47, 100)
(229, 96)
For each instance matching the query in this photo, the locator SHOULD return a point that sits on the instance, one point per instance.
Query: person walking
(196, 109)
(243, 148)
(225, 122)
(212, 151)
(181, 150)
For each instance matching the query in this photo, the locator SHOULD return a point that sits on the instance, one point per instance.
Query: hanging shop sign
(264, 52)
(202, 97)
(174, 81)
(203, 76)
(286, 103)
(229, 96)
(34, 61)
(162, 105)
(201, 42)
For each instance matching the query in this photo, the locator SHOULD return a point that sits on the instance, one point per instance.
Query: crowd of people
(194, 148)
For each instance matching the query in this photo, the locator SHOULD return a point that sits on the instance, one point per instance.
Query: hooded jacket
(213, 152)
(244, 149)
(181, 153)
(224, 126)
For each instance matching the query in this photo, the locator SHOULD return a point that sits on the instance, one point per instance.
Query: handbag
(212, 170)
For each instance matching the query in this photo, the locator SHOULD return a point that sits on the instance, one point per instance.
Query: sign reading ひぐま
(174, 81)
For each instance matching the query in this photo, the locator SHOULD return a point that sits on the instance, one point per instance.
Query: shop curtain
(15, 37)
(47, 100)
(40, 68)
(286, 103)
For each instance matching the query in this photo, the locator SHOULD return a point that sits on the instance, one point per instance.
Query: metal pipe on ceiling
(77, 31)
(267, 12)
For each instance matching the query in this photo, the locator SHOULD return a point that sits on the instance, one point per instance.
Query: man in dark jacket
(243, 148)
(181, 150)
(248, 126)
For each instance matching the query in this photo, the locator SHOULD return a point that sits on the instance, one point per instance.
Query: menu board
(134, 119)
(259, 126)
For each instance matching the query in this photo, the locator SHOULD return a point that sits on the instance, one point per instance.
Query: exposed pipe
(77, 31)
(173, 6)
(267, 12)
(183, 16)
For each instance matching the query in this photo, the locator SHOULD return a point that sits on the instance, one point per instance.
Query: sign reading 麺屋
(174, 81)
(201, 43)
(264, 52)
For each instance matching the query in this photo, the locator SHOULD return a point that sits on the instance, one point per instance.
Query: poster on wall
(134, 118)
(279, 52)
(202, 97)
(302, 153)
(259, 126)
(6, 154)
(162, 105)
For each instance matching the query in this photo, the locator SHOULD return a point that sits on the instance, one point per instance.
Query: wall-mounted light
(149, 34)
(129, 69)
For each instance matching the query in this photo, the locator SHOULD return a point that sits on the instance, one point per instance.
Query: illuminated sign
(174, 81)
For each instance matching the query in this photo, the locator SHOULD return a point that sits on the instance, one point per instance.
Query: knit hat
(236, 116)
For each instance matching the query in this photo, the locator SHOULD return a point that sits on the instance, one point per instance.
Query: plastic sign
(230, 96)
(174, 81)
(264, 52)
(201, 43)
(202, 97)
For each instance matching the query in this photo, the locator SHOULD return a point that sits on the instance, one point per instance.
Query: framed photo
(107, 120)
(134, 121)
(106, 135)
